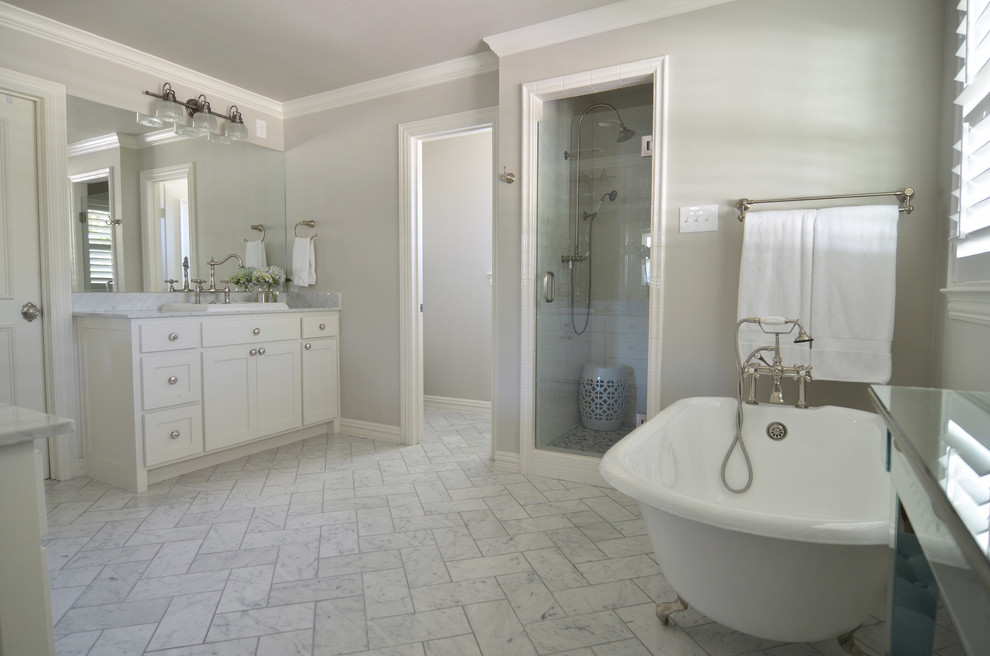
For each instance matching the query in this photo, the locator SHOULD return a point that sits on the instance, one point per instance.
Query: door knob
(30, 311)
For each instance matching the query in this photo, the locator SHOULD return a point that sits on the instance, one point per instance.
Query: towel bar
(904, 195)
(260, 228)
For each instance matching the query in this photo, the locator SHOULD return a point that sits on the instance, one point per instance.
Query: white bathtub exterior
(804, 554)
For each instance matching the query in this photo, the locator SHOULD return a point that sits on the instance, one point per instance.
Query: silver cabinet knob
(256, 331)
(174, 435)
(261, 351)
(308, 346)
(173, 337)
(323, 326)
(172, 380)
(253, 352)
(30, 311)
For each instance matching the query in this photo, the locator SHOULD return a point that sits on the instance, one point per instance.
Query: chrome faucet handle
(199, 288)
(171, 284)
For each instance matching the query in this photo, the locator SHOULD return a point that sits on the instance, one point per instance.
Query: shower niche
(593, 249)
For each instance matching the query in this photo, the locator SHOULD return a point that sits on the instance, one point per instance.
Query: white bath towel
(775, 277)
(303, 262)
(254, 254)
(852, 293)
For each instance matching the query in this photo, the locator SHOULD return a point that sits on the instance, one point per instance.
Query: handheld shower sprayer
(610, 195)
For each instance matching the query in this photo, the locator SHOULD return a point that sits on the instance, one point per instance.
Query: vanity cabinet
(163, 396)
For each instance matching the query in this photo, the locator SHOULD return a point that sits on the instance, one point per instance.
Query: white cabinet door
(279, 382)
(319, 366)
(229, 395)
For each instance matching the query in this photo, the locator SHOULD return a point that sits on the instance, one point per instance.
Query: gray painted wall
(342, 171)
(766, 98)
(457, 256)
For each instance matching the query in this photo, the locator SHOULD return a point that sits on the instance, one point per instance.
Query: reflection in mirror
(94, 266)
(230, 188)
(168, 202)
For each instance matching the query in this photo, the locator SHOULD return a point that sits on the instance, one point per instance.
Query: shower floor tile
(345, 545)
(581, 440)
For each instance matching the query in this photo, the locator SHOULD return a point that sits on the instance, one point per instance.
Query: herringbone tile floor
(344, 545)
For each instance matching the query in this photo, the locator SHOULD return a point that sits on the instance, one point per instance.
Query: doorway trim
(55, 231)
(411, 138)
(533, 461)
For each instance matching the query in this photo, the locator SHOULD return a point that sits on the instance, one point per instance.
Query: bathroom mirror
(230, 188)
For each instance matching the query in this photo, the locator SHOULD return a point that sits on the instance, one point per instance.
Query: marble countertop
(157, 314)
(22, 425)
(148, 305)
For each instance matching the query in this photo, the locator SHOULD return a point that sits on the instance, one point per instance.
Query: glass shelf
(939, 458)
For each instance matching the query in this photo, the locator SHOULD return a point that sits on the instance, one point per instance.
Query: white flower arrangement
(249, 278)
(268, 278)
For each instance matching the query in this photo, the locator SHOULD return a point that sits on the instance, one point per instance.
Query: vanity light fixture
(171, 111)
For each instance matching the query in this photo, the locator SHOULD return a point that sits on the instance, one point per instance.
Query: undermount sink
(223, 307)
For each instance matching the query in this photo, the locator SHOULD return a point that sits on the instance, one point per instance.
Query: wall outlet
(699, 218)
(646, 146)
(260, 128)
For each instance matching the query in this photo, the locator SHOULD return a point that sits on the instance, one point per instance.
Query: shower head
(803, 337)
(611, 195)
(625, 134)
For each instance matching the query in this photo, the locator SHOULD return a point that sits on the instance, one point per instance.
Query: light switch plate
(699, 218)
(260, 128)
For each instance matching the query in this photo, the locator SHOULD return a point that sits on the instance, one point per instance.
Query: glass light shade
(149, 121)
(236, 132)
(217, 138)
(168, 111)
(184, 130)
(204, 123)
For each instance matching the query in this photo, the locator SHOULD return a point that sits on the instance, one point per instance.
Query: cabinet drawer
(169, 336)
(320, 325)
(243, 331)
(173, 433)
(170, 379)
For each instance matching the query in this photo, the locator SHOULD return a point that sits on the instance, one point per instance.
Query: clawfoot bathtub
(804, 554)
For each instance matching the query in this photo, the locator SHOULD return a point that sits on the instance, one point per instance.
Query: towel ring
(259, 227)
(308, 224)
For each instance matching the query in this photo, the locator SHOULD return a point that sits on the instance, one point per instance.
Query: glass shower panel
(593, 232)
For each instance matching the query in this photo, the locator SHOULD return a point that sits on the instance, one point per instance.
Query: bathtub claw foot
(665, 609)
(849, 645)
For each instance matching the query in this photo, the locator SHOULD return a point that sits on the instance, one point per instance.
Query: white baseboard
(369, 430)
(450, 403)
(506, 462)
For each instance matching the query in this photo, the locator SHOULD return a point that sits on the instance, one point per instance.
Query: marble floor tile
(344, 545)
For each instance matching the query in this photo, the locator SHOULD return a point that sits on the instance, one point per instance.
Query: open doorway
(414, 138)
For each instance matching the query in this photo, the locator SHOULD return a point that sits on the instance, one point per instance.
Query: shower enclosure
(593, 250)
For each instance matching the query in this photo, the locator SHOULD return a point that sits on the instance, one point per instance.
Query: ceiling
(296, 48)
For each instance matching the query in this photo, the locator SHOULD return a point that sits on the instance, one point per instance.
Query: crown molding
(34, 25)
(594, 21)
(418, 78)
(94, 145)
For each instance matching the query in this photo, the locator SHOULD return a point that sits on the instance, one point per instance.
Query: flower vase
(268, 296)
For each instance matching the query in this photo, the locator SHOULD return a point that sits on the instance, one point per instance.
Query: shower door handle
(548, 287)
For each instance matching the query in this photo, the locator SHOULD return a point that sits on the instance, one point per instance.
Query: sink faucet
(213, 264)
(799, 372)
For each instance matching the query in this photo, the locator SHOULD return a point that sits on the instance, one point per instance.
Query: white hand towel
(254, 254)
(852, 293)
(303, 262)
(775, 277)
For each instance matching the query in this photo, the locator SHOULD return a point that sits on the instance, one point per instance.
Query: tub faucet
(775, 368)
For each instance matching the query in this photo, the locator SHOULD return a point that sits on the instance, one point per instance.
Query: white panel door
(279, 388)
(22, 366)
